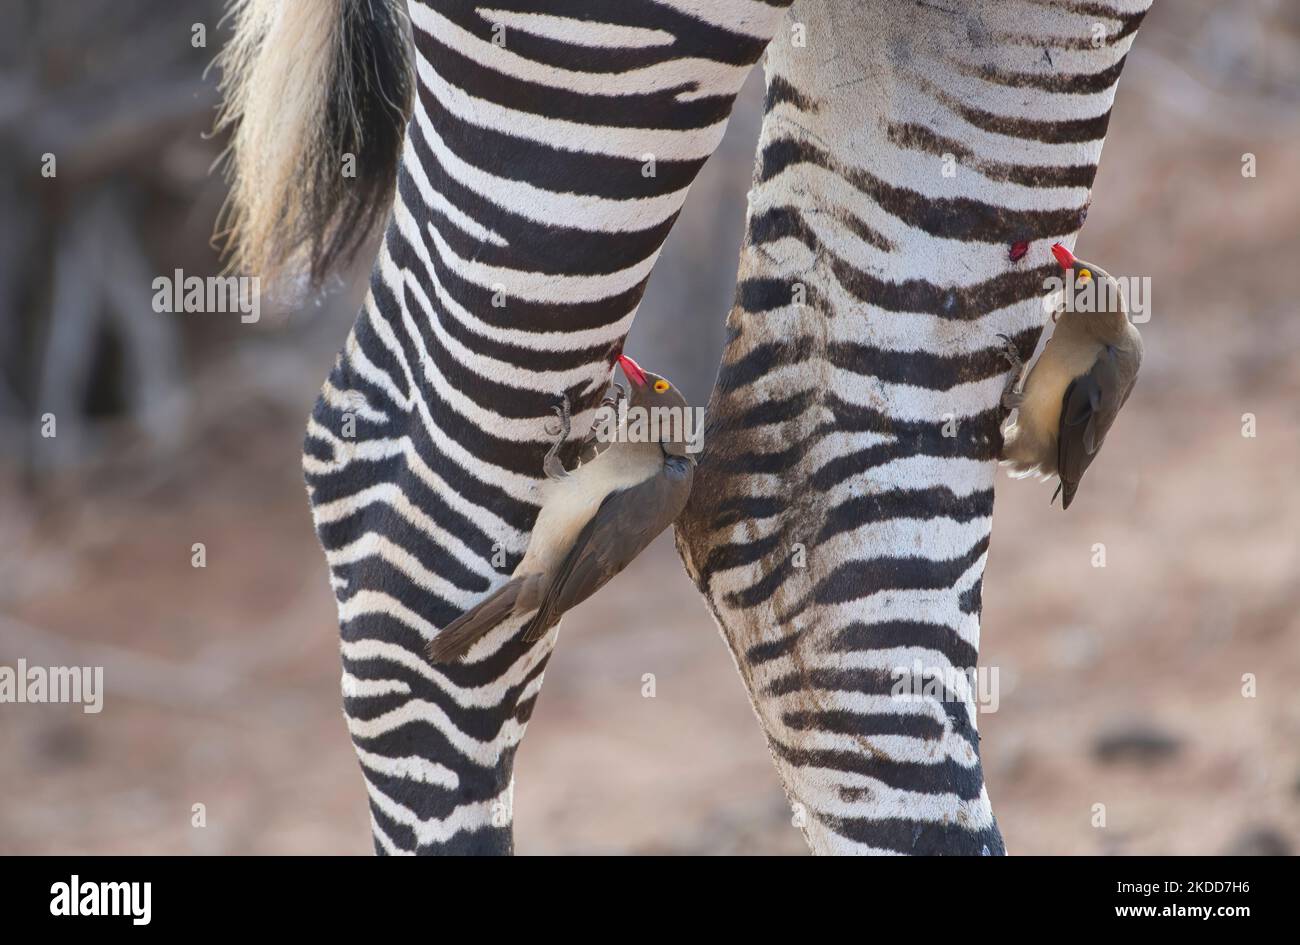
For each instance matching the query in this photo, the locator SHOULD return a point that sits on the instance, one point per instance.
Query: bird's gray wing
(1088, 409)
(626, 522)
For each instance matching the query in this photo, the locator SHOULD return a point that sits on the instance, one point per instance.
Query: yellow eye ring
(661, 386)
(1084, 275)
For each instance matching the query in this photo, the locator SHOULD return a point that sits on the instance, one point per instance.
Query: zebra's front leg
(551, 465)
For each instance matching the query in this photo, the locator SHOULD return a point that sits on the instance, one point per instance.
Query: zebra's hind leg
(551, 464)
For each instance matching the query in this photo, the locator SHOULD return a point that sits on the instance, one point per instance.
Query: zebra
(842, 515)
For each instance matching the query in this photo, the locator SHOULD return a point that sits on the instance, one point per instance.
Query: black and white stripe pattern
(525, 226)
(826, 444)
(549, 154)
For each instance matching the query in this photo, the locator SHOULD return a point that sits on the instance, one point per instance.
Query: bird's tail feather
(467, 629)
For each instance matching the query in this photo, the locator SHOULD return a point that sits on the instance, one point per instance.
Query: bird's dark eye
(661, 386)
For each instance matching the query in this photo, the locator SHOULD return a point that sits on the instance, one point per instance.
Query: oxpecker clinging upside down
(594, 519)
(1078, 384)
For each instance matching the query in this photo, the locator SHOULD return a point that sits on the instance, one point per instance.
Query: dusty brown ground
(223, 682)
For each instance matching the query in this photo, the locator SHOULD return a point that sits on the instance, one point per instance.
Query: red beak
(1063, 256)
(632, 370)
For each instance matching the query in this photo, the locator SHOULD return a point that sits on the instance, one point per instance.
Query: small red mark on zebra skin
(1018, 250)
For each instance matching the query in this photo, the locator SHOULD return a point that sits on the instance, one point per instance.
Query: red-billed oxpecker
(632, 481)
(1078, 384)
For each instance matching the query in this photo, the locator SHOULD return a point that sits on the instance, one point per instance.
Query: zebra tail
(304, 85)
(463, 632)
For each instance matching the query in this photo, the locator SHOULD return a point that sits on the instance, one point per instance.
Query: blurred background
(1120, 686)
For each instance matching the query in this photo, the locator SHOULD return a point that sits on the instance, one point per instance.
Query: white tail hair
(312, 89)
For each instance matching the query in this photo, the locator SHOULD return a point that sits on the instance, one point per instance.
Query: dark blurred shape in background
(1120, 688)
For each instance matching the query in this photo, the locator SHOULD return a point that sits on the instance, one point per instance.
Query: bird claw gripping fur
(1012, 398)
(1011, 352)
(551, 464)
(615, 396)
(610, 406)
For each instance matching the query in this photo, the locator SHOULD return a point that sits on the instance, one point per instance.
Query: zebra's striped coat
(526, 223)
